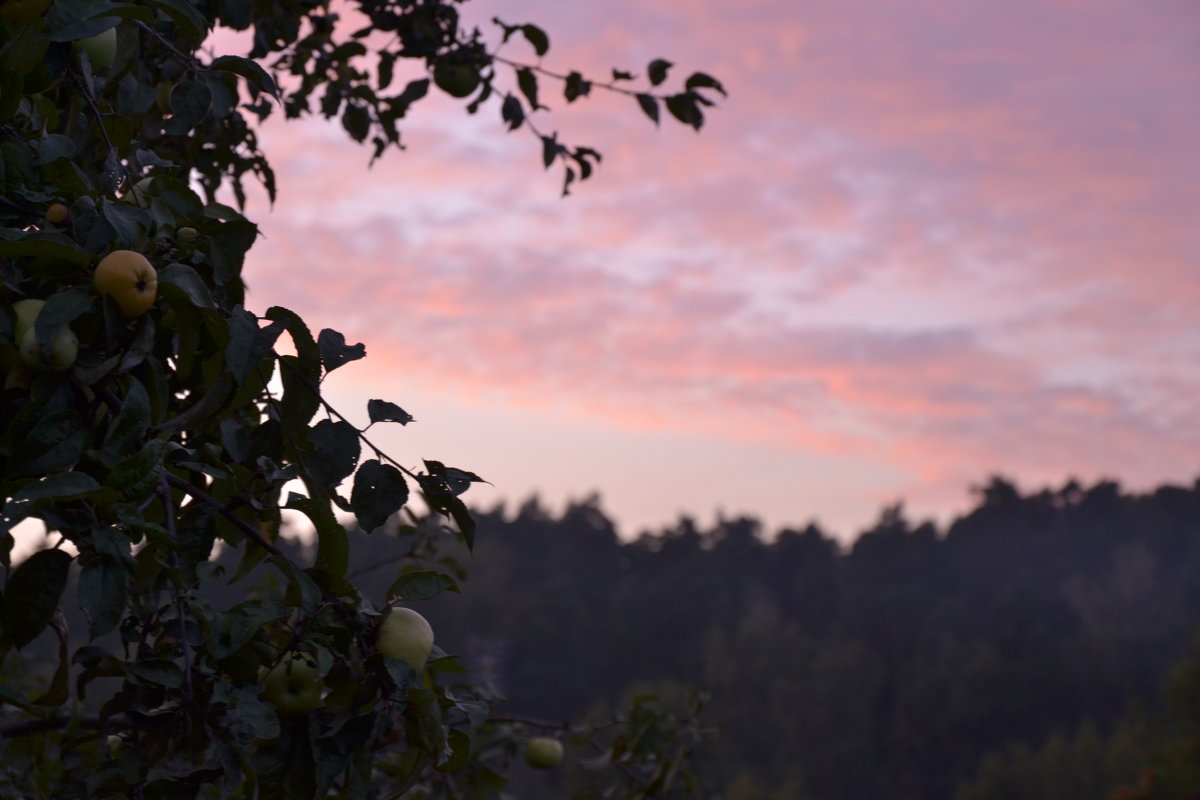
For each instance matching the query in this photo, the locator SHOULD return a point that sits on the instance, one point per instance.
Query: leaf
(333, 548)
(55, 442)
(249, 69)
(421, 585)
(41, 244)
(102, 594)
(459, 745)
(248, 345)
(576, 87)
(335, 352)
(59, 691)
(512, 112)
(336, 448)
(154, 672)
(536, 37)
(191, 22)
(384, 411)
(656, 71)
(54, 146)
(702, 80)
(379, 491)
(130, 425)
(684, 108)
(188, 283)
(527, 82)
(32, 593)
(649, 106)
(190, 104)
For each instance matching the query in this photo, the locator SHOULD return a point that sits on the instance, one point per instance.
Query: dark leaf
(536, 37)
(335, 352)
(384, 411)
(32, 593)
(649, 105)
(657, 71)
(421, 585)
(379, 491)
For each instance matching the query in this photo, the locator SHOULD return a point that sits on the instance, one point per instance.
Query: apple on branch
(129, 279)
(293, 685)
(405, 636)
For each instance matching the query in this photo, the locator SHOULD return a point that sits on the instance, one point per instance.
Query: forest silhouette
(1022, 651)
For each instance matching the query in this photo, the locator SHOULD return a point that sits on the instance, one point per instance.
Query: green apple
(456, 78)
(63, 349)
(26, 312)
(293, 685)
(101, 49)
(405, 636)
(187, 234)
(542, 752)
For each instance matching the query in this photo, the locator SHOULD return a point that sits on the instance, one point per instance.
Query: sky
(921, 243)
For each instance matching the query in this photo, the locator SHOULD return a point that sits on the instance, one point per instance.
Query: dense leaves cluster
(148, 427)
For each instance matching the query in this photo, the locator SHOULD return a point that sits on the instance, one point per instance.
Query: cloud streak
(935, 240)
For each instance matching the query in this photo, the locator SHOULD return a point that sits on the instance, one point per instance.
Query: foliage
(186, 423)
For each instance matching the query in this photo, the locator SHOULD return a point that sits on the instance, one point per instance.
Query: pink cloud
(945, 239)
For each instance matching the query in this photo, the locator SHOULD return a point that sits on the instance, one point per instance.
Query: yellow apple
(129, 279)
(101, 49)
(405, 636)
(63, 349)
(542, 752)
(293, 685)
(23, 10)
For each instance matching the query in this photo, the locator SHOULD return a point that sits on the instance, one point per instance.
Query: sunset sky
(921, 243)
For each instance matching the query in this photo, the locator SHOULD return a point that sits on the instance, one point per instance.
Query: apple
(405, 636)
(26, 312)
(542, 752)
(456, 78)
(129, 279)
(187, 234)
(23, 10)
(57, 214)
(63, 349)
(101, 49)
(293, 685)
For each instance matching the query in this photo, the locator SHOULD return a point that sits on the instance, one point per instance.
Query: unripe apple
(187, 234)
(405, 636)
(542, 752)
(293, 685)
(26, 311)
(129, 279)
(101, 49)
(63, 349)
(456, 78)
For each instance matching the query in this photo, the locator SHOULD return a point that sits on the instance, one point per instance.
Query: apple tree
(149, 420)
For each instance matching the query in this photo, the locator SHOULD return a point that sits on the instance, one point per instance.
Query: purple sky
(921, 243)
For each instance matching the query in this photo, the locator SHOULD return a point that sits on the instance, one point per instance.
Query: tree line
(1023, 650)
